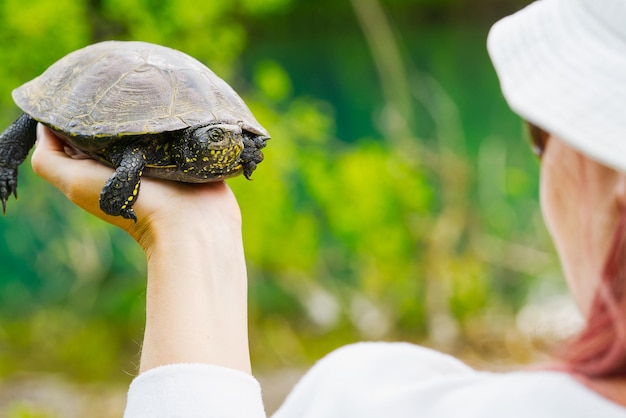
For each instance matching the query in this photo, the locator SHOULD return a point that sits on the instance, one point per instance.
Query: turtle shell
(115, 88)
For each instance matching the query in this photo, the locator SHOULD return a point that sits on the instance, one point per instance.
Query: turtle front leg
(251, 154)
(120, 192)
(15, 143)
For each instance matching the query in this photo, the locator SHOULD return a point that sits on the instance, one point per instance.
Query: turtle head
(211, 150)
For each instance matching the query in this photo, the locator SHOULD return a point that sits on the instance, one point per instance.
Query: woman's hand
(196, 298)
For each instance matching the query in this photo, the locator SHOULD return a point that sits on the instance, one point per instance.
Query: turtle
(140, 108)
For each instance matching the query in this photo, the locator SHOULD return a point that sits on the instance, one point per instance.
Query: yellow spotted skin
(202, 154)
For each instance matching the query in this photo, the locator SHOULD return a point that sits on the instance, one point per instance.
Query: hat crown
(562, 66)
(609, 14)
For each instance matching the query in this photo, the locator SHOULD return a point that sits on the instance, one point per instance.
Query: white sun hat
(562, 67)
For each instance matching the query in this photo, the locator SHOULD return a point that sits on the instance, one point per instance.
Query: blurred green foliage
(397, 198)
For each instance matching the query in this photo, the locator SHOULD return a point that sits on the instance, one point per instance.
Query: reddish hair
(599, 350)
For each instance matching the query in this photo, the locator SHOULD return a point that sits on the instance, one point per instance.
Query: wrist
(196, 303)
(195, 235)
(176, 212)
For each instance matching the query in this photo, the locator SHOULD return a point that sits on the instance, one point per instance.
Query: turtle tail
(251, 155)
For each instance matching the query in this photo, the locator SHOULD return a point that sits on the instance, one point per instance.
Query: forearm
(196, 302)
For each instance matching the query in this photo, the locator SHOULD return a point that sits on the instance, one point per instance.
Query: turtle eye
(216, 134)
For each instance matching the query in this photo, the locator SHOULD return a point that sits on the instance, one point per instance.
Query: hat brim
(565, 71)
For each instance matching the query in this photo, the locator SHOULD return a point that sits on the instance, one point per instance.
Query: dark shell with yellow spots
(142, 109)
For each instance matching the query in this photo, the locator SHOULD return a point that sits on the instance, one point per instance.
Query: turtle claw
(248, 168)
(111, 205)
(8, 185)
(129, 213)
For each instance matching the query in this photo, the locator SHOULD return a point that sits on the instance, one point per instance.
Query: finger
(79, 179)
(47, 140)
(51, 162)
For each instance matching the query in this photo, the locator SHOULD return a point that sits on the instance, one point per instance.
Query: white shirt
(368, 380)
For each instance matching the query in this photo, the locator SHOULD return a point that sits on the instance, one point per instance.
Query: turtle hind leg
(121, 190)
(251, 155)
(15, 143)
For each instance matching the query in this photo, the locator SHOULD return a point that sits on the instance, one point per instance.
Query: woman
(562, 64)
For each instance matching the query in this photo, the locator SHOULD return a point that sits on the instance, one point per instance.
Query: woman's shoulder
(389, 358)
(401, 380)
(371, 380)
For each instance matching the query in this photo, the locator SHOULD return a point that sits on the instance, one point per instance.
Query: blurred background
(397, 201)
